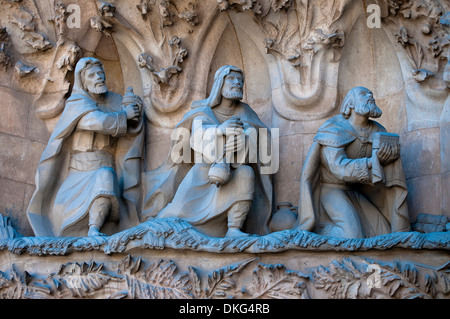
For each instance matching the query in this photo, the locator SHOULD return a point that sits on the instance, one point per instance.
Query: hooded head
(89, 77)
(215, 97)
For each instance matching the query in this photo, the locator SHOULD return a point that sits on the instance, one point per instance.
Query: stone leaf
(414, 281)
(159, 280)
(341, 280)
(15, 284)
(219, 282)
(438, 280)
(82, 279)
(7, 231)
(362, 278)
(275, 281)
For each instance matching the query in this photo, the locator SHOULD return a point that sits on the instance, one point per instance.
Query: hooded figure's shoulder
(335, 132)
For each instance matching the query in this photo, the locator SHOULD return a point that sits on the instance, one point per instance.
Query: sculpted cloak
(77, 193)
(183, 189)
(338, 133)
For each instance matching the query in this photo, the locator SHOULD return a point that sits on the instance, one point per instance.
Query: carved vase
(284, 217)
(219, 173)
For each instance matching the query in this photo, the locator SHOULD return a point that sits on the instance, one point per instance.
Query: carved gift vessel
(219, 173)
(284, 217)
(337, 189)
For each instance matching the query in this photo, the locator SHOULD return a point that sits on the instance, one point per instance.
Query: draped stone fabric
(347, 175)
(68, 180)
(183, 189)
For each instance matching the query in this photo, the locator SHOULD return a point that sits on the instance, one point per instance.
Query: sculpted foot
(94, 231)
(235, 233)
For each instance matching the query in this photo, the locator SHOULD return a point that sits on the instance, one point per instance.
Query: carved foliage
(104, 21)
(179, 234)
(22, 285)
(287, 35)
(164, 74)
(421, 31)
(80, 280)
(59, 19)
(25, 22)
(90, 280)
(219, 283)
(7, 231)
(275, 281)
(159, 280)
(349, 278)
(131, 279)
(362, 278)
(69, 58)
(268, 282)
(168, 11)
(238, 5)
(341, 280)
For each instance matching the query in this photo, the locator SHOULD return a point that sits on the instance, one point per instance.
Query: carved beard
(235, 95)
(369, 109)
(98, 89)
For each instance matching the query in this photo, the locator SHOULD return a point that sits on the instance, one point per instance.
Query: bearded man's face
(94, 80)
(365, 104)
(233, 86)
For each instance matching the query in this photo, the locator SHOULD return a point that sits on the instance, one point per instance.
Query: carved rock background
(300, 58)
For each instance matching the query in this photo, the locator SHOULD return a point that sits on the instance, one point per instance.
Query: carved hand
(233, 126)
(133, 111)
(235, 144)
(388, 153)
(139, 103)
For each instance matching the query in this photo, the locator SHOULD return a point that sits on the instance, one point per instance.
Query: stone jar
(284, 217)
(219, 173)
(130, 98)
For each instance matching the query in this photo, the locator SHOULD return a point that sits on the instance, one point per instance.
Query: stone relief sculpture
(163, 76)
(134, 278)
(216, 185)
(306, 39)
(89, 171)
(207, 223)
(352, 183)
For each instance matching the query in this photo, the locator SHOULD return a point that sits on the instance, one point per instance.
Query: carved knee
(245, 172)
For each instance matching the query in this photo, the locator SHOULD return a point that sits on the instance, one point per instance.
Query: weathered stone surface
(145, 263)
(422, 156)
(15, 108)
(425, 184)
(19, 158)
(300, 58)
(140, 274)
(178, 234)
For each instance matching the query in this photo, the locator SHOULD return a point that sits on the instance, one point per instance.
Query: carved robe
(91, 153)
(336, 169)
(183, 190)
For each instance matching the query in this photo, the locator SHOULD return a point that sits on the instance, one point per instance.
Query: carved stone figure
(216, 186)
(89, 172)
(352, 182)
